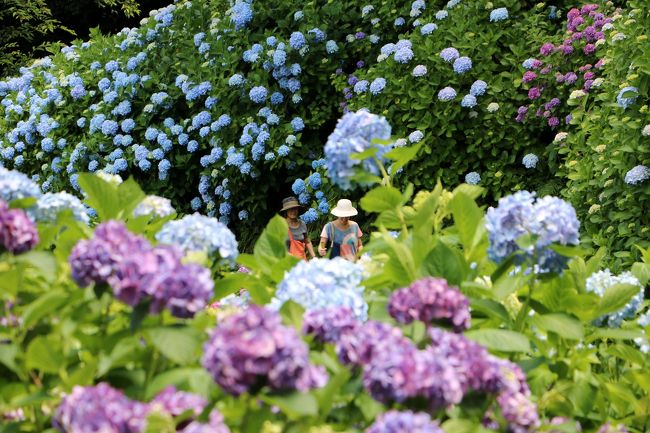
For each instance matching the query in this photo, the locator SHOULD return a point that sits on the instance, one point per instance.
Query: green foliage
(606, 141)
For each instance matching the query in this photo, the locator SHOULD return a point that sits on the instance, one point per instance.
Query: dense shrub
(608, 144)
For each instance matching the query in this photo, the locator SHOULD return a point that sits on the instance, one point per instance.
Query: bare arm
(321, 247)
(310, 247)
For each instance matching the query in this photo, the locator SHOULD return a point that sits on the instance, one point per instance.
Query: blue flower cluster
(472, 178)
(49, 205)
(549, 219)
(15, 186)
(600, 281)
(354, 133)
(498, 14)
(530, 160)
(200, 233)
(323, 283)
(637, 175)
(627, 97)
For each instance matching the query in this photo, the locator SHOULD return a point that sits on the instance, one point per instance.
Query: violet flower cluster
(328, 324)
(252, 349)
(430, 300)
(404, 422)
(585, 28)
(138, 272)
(18, 232)
(550, 219)
(102, 408)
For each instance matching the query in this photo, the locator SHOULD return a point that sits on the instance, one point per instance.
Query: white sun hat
(344, 208)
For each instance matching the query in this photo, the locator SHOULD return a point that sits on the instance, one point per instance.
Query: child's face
(292, 213)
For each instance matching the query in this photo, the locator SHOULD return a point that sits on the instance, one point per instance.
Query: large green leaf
(616, 297)
(615, 334)
(271, 245)
(502, 340)
(8, 355)
(109, 200)
(468, 220)
(490, 308)
(446, 262)
(292, 313)
(381, 198)
(43, 261)
(562, 324)
(42, 306)
(44, 354)
(295, 404)
(180, 344)
(402, 155)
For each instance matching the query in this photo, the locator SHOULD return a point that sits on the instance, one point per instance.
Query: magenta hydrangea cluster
(430, 300)
(572, 65)
(18, 233)
(140, 273)
(102, 408)
(328, 324)
(252, 349)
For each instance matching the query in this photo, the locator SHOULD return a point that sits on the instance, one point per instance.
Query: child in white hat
(342, 235)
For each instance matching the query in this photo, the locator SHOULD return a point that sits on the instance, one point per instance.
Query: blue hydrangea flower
(462, 65)
(127, 125)
(449, 54)
(377, 85)
(298, 186)
(446, 94)
(441, 14)
(297, 40)
(478, 88)
(550, 219)
(416, 136)
(468, 101)
(200, 233)
(399, 22)
(529, 63)
(472, 178)
(354, 134)
(499, 14)
(530, 160)
(284, 150)
(419, 71)
(241, 14)
(236, 80)
(297, 124)
(258, 94)
(315, 180)
(636, 175)
(15, 185)
(403, 55)
(323, 283)
(331, 47)
(427, 29)
(109, 127)
(361, 86)
(627, 96)
(50, 205)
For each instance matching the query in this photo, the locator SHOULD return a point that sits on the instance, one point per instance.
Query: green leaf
(180, 344)
(292, 313)
(45, 355)
(123, 352)
(563, 325)
(368, 153)
(446, 262)
(271, 245)
(616, 297)
(42, 306)
(295, 404)
(381, 198)
(460, 426)
(109, 200)
(490, 308)
(506, 285)
(467, 217)
(23, 203)
(500, 339)
(160, 422)
(326, 394)
(615, 334)
(400, 268)
(43, 261)
(402, 155)
(369, 407)
(8, 355)
(181, 378)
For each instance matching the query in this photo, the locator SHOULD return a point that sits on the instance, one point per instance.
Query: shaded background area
(29, 27)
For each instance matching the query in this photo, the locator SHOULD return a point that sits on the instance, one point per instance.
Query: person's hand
(322, 251)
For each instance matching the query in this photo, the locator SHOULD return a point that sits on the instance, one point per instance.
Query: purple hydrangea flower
(428, 300)
(99, 408)
(174, 402)
(96, 259)
(328, 324)
(18, 232)
(446, 94)
(252, 349)
(404, 422)
(519, 411)
(357, 348)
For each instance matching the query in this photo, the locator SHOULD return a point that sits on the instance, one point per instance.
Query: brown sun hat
(290, 203)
